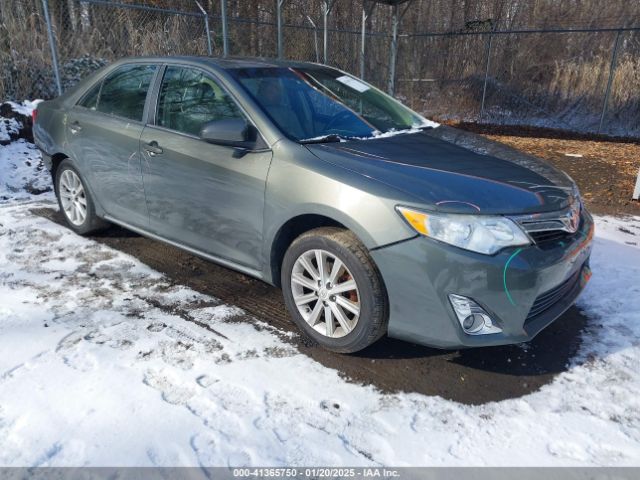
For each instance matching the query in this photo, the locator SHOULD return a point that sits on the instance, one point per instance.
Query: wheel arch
(288, 232)
(56, 160)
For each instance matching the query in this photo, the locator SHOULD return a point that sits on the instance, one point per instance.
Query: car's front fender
(305, 185)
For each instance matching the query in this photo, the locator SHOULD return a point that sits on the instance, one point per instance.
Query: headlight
(478, 233)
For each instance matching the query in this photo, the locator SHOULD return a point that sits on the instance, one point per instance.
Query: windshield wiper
(332, 138)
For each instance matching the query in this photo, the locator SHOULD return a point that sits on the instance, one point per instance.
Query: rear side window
(90, 99)
(190, 98)
(124, 91)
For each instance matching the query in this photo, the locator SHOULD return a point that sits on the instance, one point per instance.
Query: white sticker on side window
(353, 83)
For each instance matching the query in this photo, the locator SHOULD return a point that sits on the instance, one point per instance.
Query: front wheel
(75, 201)
(334, 291)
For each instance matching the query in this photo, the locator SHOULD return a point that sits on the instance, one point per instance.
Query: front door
(104, 131)
(202, 195)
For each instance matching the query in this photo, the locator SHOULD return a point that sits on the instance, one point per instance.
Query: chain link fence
(86, 35)
(585, 80)
(589, 81)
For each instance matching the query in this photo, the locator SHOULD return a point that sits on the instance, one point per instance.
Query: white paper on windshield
(353, 83)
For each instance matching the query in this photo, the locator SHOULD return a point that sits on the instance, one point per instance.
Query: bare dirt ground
(605, 170)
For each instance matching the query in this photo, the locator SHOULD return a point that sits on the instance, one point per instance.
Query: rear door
(103, 131)
(205, 196)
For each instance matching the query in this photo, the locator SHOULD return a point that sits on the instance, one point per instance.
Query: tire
(311, 301)
(71, 190)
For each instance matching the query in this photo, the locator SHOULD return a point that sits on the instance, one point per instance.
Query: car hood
(451, 170)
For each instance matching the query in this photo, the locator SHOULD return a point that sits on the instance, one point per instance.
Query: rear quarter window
(90, 99)
(124, 91)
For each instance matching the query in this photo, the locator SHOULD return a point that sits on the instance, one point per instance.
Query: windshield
(313, 103)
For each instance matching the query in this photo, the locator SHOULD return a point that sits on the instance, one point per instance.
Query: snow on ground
(102, 364)
(21, 171)
(25, 108)
(8, 127)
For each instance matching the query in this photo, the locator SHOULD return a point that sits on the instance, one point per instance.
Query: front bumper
(420, 273)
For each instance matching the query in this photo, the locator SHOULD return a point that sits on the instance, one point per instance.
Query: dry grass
(531, 78)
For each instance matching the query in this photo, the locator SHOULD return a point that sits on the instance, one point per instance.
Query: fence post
(612, 69)
(486, 76)
(325, 15)
(327, 6)
(225, 37)
(394, 51)
(52, 44)
(279, 4)
(315, 38)
(205, 16)
(365, 16)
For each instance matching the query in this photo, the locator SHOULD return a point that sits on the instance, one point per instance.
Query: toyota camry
(372, 219)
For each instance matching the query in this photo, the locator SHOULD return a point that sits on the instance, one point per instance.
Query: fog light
(472, 317)
(473, 322)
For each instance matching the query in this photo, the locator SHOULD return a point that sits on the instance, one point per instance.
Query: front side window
(314, 102)
(190, 98)
(124, 91)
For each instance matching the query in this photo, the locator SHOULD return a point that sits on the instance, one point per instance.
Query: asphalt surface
(472, 376)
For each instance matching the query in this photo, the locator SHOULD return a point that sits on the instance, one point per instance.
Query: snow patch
(106, 362)
(9, 127)
(26, 107)
(240, 395)
(22, 173)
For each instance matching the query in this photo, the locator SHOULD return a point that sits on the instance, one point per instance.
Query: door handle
(153, 149)
(75, 127)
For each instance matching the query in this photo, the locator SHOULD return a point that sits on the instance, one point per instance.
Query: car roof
(223, 63)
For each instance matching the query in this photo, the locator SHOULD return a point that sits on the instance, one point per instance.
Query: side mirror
(233, 132)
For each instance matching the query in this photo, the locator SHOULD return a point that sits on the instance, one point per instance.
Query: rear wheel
(75, 201)
(334, 291)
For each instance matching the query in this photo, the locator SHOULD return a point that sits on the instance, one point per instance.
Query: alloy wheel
(72, 197)
(325, 293)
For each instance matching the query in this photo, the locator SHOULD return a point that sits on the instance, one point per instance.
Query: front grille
(549, 298)
(549, 236)
(547, 230)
